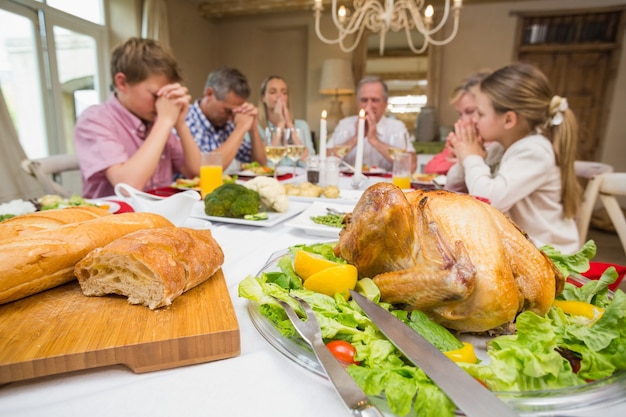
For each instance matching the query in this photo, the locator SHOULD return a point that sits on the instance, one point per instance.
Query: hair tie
(558, 105)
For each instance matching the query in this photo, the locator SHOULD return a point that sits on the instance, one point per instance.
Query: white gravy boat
(175, 208)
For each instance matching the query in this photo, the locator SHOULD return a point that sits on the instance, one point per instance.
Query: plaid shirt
(209, 138)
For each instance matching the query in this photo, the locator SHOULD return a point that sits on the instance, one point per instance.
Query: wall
(193, 41)
(480, 46)
(258, 46)
(124, 17)
(249, 42)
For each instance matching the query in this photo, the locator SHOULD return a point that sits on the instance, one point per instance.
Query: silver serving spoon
(334, 211)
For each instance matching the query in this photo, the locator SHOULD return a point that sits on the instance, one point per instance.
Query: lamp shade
(337, 77)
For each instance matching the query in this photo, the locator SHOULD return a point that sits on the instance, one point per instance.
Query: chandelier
(381, 16)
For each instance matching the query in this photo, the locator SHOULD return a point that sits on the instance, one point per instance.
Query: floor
(609, 249)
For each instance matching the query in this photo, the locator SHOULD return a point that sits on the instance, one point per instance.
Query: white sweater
(526, 185)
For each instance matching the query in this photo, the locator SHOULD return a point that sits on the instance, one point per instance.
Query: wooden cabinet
(579, 52)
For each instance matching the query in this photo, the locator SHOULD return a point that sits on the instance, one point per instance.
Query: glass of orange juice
(210, 172)
(401, 173)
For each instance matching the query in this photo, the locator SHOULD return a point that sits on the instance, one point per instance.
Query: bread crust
(151, 267)
(44, 259)
(26, 224)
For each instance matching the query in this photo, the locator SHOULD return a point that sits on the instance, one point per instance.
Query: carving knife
(468, 394)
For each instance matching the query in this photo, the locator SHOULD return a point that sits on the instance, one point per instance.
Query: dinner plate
(303, 220)
(370, 172)
(604, 396)
(273, 219)
(428, 179)
(189, 184)
(250, 173)
(375, 171)
(112, 206)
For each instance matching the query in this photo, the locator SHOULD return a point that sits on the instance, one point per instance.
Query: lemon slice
(330, 281)
(306, 263)
(368, 288)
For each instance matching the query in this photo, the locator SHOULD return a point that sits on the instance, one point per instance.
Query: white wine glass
(294, 142)
(275, 149)
(399, 143)
(340, 148)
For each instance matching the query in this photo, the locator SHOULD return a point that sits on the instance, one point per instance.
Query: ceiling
(216, 9)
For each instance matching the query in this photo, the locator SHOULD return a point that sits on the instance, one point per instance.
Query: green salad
(556, 351)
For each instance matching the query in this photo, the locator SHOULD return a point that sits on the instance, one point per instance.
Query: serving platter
(273, 219)
(605, 397)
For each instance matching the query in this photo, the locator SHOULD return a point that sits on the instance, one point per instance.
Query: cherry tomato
(342, 351)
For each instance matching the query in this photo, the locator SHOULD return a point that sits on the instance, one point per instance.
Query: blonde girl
(534, 182)
(464, 103)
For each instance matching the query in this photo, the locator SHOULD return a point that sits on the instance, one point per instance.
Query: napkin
(596, 269)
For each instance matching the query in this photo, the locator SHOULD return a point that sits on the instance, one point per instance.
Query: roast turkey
(458, 259)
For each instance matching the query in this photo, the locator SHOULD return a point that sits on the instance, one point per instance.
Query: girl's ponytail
(564, 128)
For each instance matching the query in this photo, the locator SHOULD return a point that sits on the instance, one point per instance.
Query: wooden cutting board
(61, 330)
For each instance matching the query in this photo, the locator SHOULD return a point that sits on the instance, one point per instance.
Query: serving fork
(349, 391)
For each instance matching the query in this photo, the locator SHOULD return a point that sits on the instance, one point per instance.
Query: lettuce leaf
(327, 250)
(573, 264)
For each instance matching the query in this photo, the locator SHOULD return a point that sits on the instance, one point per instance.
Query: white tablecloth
(258, 382)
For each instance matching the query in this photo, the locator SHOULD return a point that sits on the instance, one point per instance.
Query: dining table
(259, 381)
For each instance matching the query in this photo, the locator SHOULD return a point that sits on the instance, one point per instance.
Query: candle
(341, 14)
(358, 163)
(428, 15)
(323, 136)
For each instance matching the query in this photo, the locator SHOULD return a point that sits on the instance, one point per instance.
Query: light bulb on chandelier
(381, 16)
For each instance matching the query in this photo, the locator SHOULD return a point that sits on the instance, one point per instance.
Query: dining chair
(589, 169)
(48, 171)
(605, 188)
(586, 171)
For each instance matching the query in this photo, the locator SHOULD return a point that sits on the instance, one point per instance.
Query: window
(580, 28)
(51, 68)
(90, 10)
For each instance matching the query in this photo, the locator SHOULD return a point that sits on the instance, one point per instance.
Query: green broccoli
(231, 200)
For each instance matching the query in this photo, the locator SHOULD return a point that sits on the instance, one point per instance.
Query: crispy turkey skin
(461, 261)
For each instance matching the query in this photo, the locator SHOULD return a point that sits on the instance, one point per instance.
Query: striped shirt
(208, 137)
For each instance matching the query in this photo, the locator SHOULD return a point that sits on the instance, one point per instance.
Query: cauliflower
(272, 193)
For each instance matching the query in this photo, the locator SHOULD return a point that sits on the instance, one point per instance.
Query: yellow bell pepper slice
(579, 308)
(465, 354)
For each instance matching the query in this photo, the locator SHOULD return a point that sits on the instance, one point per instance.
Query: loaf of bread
(151, 267)
(25, 224)
(44, 259)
